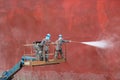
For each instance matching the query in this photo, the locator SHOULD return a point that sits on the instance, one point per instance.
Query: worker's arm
(66, 41)
(42, 42)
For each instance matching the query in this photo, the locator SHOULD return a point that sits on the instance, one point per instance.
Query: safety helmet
(48, 36)
(60, 36)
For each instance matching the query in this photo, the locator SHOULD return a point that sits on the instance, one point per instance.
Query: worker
(38, 50)
(58, 46)
(45, 44)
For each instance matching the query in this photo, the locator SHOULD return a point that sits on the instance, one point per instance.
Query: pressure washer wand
(75, 41)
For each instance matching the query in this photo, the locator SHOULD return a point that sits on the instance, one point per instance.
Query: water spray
(99, 44)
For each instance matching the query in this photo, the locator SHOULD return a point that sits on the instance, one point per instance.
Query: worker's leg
(37, 54)
(41, 53)
(40, 56)
(36, 48)
(61, 53)
(56, 54)
(46, 55)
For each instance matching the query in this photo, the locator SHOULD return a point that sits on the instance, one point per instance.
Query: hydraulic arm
(8, 75)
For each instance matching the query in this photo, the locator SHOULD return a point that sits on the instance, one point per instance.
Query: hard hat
(60, 35)
(48, 36)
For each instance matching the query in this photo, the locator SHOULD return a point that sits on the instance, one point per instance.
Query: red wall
(24, 21)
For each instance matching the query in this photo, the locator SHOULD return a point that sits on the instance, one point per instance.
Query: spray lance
(75, 41)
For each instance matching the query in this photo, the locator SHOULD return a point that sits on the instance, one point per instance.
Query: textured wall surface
(24, 21)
